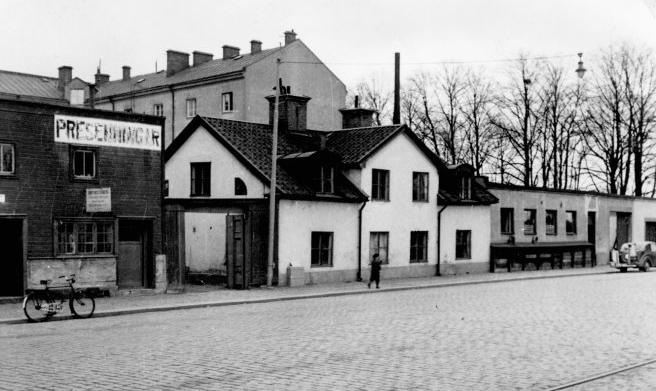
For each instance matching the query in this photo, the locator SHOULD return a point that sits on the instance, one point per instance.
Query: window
(551, 222)
(7, 164)
(418, 246)
(507, 221)
(191, 108)
(77, 97)
(84, 237)
(465, 188)
(420, 186)
(322, 249)
(200, 179)
(324, 183)
(240, 187)
(84, 163)
(158, 110)
(463, 244)
(226, 102)
(570, 222)
(379, 244)
(529, 221)
(380, 185)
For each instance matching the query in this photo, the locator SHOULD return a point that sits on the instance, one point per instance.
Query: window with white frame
(158, 109)
(200, 179)
(84, 163)
(226, 102)
(8, 159)
(322, 249)
(380, 185)
(325, 180)
(191, 107)
(418, 246)
(379, 244)
(420, 186)
(465, 188)
(83, 237)
(529, 221)
(463, 244)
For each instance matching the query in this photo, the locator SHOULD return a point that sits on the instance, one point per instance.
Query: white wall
(203, 147)
(400, 215)
(473, 218)
(205, 241)
(297, 221)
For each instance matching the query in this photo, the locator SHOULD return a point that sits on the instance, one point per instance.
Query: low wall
(91, 272)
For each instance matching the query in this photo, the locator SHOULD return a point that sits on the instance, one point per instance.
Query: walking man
(375, 271)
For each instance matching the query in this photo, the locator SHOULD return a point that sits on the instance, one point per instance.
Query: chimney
(357, 117)
(256, 46)
(176, 61)
(65, 75)
(290, 36)
(482, 180)
(201, 58)
(126, 72)
(230, 51)
(101, 78)
(396, 116)
(292, 112)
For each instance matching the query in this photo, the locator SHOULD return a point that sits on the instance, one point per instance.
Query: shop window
(418, 246)
(551, 222)
(379, 244)
(226, 102)
(191, 107)
(84, 237)
(529, 221)
(420, 186)
(463, 244)
(507, 221)
(322, 249)
(324, 181)
(380, 185)
(8, 161)
(84, 163)
(240, 187)
(200, 179)
(570, 222)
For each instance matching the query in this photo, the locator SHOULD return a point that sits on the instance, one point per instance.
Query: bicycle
(42, 304)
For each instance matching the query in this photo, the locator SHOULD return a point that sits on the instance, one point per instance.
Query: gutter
(359, 275)
(172, 113)
(439, 237)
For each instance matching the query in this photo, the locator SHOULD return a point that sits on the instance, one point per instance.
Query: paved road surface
(522, 335)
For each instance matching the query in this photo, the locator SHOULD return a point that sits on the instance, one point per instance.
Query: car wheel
(646, 266)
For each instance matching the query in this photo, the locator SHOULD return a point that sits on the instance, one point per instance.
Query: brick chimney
(256, 46)
(101, 78)
(65, 75)
(176, 61)
(230, 51)
(290, 36)
(201, 57)
(126, 72)
(357, 117)
(292, 112)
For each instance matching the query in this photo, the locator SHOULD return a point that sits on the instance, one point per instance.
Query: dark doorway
(623, 228)
(236, 261)
(11, 257)
(133, 254)
(592, 234)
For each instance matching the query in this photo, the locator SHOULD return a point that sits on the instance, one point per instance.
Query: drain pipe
(439, 237)
(359, 275)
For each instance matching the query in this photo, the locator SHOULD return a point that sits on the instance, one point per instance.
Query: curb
(132, 311)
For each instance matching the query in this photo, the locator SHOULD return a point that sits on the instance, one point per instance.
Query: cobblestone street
(519, 335)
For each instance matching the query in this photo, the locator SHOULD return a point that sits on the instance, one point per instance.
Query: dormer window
(325, 181)
(465, 188)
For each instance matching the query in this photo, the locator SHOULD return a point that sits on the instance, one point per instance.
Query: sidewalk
(209, 296)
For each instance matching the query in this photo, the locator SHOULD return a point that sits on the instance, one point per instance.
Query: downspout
(359, 275)
(111, 100)
(439, 237)
(172, 113)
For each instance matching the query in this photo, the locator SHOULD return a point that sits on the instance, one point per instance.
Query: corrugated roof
(208, 69)
(14, 83)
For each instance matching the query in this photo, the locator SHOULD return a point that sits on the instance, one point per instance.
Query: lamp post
(272, 189)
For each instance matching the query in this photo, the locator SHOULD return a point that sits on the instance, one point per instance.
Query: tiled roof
(211, 68)
(355, 145)
(26, 85)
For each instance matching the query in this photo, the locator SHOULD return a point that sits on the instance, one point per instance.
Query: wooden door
(236, 265)
(623, 228)
(11, 257)
(131, 255)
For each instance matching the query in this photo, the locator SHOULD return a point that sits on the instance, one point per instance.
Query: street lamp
(580, 70)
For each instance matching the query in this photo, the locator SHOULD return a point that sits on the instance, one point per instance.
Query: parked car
(641, 255)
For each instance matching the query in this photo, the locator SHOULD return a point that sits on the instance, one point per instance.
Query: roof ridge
(233, 120)
(28, 74)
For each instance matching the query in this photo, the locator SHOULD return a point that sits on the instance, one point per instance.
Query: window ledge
(320, 266)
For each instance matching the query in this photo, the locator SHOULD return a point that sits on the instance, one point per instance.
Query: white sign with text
(103, 132)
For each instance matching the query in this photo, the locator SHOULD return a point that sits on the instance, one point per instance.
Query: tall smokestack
(396, 117)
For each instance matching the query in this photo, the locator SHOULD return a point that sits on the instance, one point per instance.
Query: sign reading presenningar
(102, 132)
(99, 200)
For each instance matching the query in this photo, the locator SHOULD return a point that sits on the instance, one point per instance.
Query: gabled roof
(31, 87)
(251, 144)
(210, 69)
(449, 192)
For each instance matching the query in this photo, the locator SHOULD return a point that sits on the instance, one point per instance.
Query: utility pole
(396, 117)
(272, 188)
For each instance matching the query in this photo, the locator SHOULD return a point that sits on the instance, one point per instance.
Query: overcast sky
(356, 39)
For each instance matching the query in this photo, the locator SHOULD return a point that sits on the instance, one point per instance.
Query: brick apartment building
(232, 87)
(80, 192)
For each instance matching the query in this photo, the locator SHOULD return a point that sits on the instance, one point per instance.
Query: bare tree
(422, 97)
(376, 96)
(477, 112)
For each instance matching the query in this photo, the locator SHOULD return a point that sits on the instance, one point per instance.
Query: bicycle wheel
(36, 307)
(82, 305)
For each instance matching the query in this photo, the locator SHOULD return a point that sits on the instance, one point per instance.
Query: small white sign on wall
(2, 198)
(99, 200)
